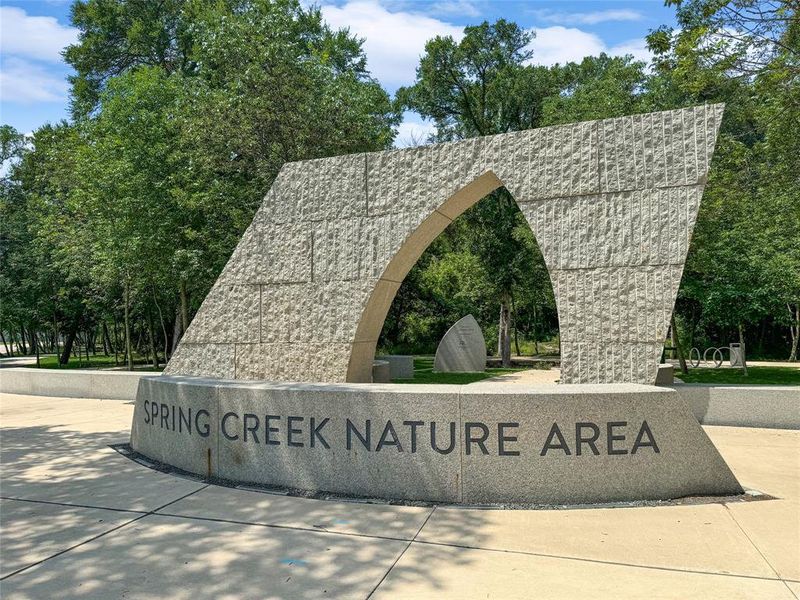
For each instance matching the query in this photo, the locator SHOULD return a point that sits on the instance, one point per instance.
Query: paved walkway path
(527, 377)
(17, 361)
(78, 520)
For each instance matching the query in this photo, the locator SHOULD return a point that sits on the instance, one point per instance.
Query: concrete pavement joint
(91, 539)
(399, 556)
(312, 529)
(128, 510)
(791, 591)
(598, 561)
(761, 554)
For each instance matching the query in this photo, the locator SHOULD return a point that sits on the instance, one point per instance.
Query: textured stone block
(661, 149)
(202, 360)
(641, 227)
(603, 361)
(288, 361)
(323, 311)
(547, 162)
(374, 313)
(360, 247)
(421, 179)
(625, 304)
(271, 253)
(324, 188)
(231, 314)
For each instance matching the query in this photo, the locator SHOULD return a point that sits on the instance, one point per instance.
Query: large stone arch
(612, 204)
(371, 320)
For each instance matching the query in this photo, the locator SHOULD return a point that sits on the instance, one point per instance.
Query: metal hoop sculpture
(717, 355)
(695, 362)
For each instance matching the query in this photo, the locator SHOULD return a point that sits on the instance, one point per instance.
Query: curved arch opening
(374, 315)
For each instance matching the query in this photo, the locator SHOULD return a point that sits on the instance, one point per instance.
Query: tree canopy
(116, 223)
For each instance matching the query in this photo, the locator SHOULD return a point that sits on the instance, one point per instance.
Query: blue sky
(33, 87)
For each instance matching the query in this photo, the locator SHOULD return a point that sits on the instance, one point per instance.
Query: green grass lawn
(755, 376)
(423, 373)
(95, 362)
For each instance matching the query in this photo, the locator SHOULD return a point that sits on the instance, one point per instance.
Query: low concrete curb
(73, 383)
(770, 406)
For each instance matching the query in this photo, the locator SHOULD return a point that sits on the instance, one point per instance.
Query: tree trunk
(55, 332)
(761, 336)
(116, 340)
(5, 344)
(516, 332)
(68, 342)
(177, 331)
(676, 343)
(106, 340)
(794, 329)
(504, 333)
(126, 302)
(535, 331)
(184, 307)
(22, 340)
(742, 349)
(163, 327)
(153, 348)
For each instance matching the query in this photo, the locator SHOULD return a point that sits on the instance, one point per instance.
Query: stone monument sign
(303, 298)
(462, 349)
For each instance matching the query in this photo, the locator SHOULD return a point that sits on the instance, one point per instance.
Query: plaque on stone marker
(462, 349)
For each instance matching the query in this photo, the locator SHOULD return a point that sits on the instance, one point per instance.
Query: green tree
(743, 263)
(486, 84)
(481, 86)
(188, 110)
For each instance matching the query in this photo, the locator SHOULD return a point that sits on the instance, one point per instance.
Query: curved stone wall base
(483, 443)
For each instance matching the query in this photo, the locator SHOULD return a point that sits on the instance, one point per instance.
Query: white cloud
(638, 48)
(40, 38)
(461, 8)
(25, 81)
(394, 40)
(559, 44)
(589, 18)
(31, 52)
(413, 131)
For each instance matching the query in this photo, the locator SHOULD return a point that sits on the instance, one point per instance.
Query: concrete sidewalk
(79, 520)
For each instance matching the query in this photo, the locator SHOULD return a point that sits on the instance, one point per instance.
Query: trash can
(737, 355)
